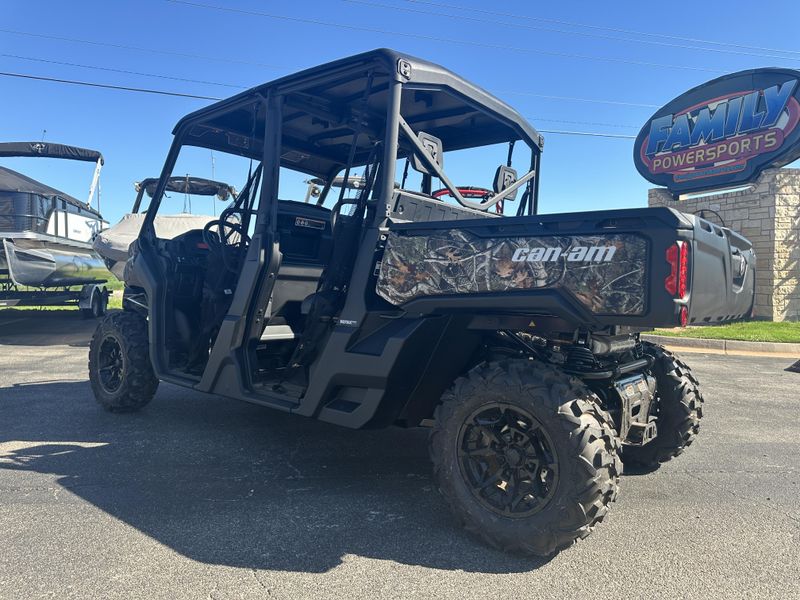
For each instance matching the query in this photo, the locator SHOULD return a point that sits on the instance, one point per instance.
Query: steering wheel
(220, 241)
(471, 192)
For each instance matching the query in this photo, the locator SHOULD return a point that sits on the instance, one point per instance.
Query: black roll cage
(293, 97)
(307, 122)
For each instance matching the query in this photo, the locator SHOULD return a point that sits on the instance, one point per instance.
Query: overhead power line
(543, 119)
(602, 36)
(143, 49)
(573, 99)
(113, 70)
(603, 27)
(214, 98)
(588, 134)
(205, 82)
(439, 39)
(107, 86)
(99, 68)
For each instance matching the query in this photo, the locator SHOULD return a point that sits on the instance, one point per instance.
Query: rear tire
(549, 449)
(679, 408)
(120, 372)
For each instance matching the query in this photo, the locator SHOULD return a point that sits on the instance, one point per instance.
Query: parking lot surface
(202, 497)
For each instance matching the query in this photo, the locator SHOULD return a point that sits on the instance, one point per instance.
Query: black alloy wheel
(111, 367)
(508, 459)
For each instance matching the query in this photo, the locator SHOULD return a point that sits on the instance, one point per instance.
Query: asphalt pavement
(202, 497)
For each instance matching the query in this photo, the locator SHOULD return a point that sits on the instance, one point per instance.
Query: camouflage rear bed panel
(606, 272)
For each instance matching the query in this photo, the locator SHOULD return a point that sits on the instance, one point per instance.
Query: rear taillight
(683, 271)
(677, 282)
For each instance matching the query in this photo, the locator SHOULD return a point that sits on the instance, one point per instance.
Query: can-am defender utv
(515, 337)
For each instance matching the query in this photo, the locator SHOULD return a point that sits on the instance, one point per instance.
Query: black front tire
(120, 371)
(568, 422)
(679, 408)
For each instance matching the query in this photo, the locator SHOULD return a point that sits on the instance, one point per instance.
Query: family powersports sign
(723, 133)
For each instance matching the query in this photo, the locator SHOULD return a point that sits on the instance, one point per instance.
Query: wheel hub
(513, 457)
(507, 459)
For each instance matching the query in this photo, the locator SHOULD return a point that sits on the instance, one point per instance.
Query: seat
(326, 300)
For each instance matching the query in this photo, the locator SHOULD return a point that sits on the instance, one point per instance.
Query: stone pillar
(768, 214)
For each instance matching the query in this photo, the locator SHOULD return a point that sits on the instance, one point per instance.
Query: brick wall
(768, 214)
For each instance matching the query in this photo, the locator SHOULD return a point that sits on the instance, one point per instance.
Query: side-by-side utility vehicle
(436, 295)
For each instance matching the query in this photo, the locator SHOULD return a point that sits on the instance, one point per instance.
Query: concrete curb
(726, 346)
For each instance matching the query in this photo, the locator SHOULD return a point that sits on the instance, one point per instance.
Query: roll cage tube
(423, 154)
(255, 102)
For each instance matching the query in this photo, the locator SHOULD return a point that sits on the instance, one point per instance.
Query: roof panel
(320, 103)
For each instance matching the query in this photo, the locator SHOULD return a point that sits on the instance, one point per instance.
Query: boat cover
(12, 181)
(113, 243)
(190, 185)
(48, 150)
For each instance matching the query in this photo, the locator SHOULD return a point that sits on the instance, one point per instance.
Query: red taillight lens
(683, 270)
(677, 282)
(684, 316)
(671, 281)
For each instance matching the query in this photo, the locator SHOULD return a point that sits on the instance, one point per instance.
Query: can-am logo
(724, 132)
(554, 253)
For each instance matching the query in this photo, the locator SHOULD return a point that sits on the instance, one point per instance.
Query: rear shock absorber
(580, 358)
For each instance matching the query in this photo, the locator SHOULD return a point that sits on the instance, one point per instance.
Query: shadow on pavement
(228, 483)
(45, 328)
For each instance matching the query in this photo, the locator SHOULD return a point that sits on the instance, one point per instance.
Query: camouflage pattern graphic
(604, 272)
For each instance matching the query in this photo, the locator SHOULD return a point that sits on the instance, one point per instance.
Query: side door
(232, 359)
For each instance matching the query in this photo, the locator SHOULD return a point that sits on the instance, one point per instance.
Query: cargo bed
(648, 267)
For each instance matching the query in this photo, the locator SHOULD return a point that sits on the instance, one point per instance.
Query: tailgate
(722, 274)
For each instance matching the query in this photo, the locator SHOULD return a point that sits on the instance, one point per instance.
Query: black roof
(12, 181)
(317, 123)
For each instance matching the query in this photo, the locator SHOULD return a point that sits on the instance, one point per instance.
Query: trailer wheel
(525, 456)
(97, 306)
(120, 372)
(679, 408)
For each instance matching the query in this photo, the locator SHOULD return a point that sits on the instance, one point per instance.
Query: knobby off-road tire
(120, 372)
(679, 408)
(575, 445)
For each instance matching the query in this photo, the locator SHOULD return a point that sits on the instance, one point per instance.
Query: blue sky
(519, 59)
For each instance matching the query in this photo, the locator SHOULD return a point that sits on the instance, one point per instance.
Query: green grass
(753, 331)
(115, 302)
(114, 284)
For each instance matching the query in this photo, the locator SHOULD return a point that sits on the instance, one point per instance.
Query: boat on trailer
(46, 235)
